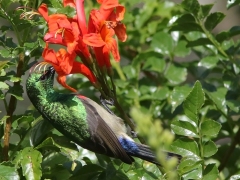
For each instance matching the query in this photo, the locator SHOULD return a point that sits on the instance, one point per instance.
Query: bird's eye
(43, 77)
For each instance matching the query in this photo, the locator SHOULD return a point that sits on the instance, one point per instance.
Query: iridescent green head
(40, 82)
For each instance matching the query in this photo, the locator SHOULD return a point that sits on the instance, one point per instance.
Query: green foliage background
(197, 99)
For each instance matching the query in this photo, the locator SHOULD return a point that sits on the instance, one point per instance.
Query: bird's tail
(144, 152)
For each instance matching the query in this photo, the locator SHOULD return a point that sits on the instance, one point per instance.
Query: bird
(83, 121)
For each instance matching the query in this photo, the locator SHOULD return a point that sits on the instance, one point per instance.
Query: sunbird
(83, 121)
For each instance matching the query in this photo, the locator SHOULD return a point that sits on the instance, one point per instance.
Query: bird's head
(40, 81)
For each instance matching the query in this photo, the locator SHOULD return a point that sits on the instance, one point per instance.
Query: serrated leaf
(3, 86)
(210, 128)
(194, 102)
(218, 98)
(210, 172)
(178, 95)
(235, 30)
(31, 163)
(186, 147)
(8, 173)
(194, 174)
(176, 74)
(162, 43)
(205, 9)
(213, 20)
(181, 50)
(209, 149)
(188, 164)
(186, 27)
(192, 6)
(184, 128)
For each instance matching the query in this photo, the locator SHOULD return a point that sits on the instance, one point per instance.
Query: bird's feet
(106, 102)
(134, 134)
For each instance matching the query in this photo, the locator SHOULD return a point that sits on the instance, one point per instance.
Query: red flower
(64, 63)
(65, 31)
(103, 43)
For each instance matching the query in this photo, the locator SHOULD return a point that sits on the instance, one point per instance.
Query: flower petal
(93, 39)
(82, 69)
(62, 80)
(43, 10)
(120, 31)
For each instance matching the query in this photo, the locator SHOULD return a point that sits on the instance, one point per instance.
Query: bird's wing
(103, 137)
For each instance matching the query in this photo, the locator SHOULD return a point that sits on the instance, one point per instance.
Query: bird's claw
(134, 134)
(106, 102)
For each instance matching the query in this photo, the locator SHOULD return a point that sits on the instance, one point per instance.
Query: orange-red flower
(64, 63)
(63, 30)
(103, 25)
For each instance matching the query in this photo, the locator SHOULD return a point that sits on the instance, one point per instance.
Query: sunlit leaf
(31, 163)
(194, 102)
(210, 128)
(209, 149)
(210, 172)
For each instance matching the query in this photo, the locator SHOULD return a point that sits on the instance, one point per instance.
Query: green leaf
(3, 86)
(176, 74)
(161, 93)
(181, 50)
(188, 164)
(3, 64)
(191, 6)
(210, 172)
(194, 174)
(213, 20)
(194, 102)
(39, 131)
(178, 95)
(199, 42)
(31, 163)
(184, 128)
(210, 128)
(235, 30)
(205, 9)
(235, 177)
(186, 27)
(209, 62)
(232, 3)
(186, 147)
(8, 173)
(209, 149)
(91, 171)
(154, 64)
(218, 98)
(162, 43)
(60, 143)
(16, 91)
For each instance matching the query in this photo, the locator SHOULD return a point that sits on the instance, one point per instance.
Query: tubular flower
(77, 37)
(63, 30)
(64, 64)
(103, 43)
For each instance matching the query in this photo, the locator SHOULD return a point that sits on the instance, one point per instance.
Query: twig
(235, 141)
(10, 110)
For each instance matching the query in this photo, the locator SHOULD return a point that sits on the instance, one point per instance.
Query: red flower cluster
(74, 34)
